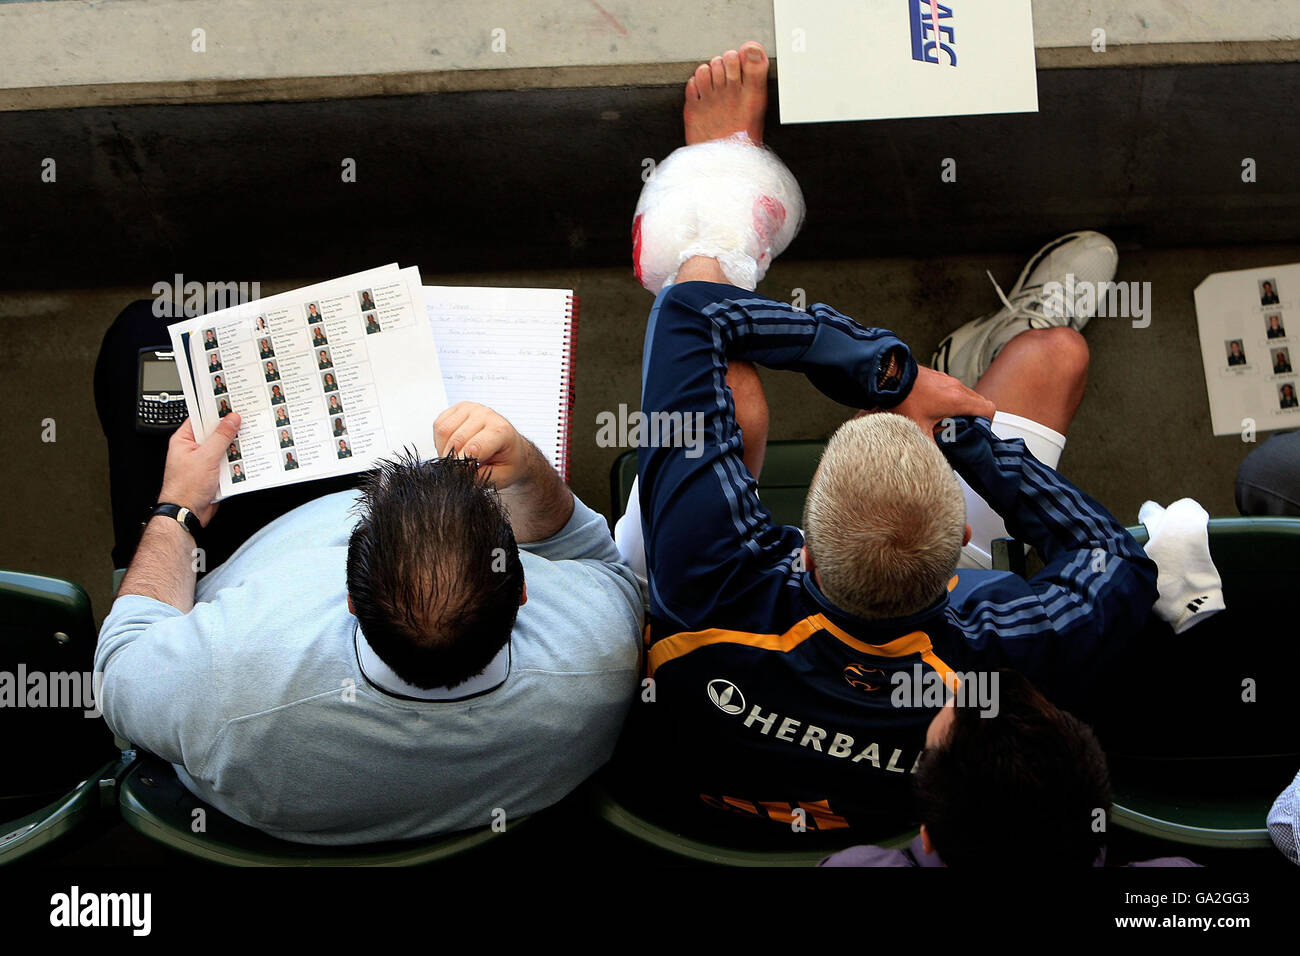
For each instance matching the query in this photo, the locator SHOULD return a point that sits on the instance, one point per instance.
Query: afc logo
(928, 35)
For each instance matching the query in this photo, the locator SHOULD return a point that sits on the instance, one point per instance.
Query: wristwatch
(187, 518)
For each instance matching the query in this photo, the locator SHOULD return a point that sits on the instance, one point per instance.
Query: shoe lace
(1022, 302)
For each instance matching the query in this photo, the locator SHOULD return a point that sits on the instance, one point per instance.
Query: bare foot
(727, 95)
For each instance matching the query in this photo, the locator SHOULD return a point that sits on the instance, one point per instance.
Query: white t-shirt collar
(383, 677)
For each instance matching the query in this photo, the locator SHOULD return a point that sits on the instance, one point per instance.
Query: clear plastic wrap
(729, 199)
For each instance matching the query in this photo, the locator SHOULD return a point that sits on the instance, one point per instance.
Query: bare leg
(751, 413)
(1039, 375)
(724, 96)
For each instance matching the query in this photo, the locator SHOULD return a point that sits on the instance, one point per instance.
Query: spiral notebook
(512, 350)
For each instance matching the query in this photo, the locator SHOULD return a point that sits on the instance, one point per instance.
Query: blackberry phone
(160, 405)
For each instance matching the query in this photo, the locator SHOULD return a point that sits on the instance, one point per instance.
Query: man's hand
(936, 396)
(191, 475)
(471, 430)
(536, 498)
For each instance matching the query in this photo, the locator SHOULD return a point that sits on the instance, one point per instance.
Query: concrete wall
(88, 52)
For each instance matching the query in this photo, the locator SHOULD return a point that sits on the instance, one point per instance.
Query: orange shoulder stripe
(679, 645)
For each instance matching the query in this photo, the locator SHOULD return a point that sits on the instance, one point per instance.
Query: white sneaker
(1087, 256)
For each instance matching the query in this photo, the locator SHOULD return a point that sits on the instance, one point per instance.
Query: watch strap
(187, 518)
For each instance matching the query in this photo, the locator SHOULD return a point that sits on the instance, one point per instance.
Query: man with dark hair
(1281, 362)
(344, 450)
(1268, 295)
(457, 642)
(1023, 787)
(1235, 354)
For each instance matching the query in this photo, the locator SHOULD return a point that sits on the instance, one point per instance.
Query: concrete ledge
(292, 89)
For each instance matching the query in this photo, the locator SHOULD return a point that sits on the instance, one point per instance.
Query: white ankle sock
(1189, 583)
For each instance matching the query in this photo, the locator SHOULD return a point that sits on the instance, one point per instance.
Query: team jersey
(765, 698)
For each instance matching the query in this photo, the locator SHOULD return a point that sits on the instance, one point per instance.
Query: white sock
(986, 525)
(1189, 584)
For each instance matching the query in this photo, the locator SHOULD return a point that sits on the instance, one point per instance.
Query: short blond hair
(884, 519)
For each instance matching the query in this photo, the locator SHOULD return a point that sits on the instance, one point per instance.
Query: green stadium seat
(47, 646)
(91, 801)
(155, 803)
(788, 469)
(1199, 727)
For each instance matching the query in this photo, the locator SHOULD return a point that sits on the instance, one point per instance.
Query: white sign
(883, 59)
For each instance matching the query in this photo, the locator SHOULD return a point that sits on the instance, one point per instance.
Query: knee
(1061, 349)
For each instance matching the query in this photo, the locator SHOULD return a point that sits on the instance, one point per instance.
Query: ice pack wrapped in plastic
(729, 199)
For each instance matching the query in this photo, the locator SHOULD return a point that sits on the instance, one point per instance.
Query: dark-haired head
(434, 575)
(1027, 788)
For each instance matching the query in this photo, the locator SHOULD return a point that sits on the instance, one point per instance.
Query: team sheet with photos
(327, 379)
(508, 349)
(1249, 323)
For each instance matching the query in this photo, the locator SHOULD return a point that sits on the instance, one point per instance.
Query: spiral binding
(566, 386)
